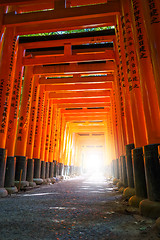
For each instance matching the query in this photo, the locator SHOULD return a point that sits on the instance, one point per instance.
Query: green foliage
(70, 31)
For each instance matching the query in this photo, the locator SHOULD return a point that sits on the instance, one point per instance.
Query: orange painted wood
(151, 20)
(75, 69)
(44, 128)
(81, 111)
(15, 102)
(63, 15)
(48, 132)
(82, 100)
(78, 87)
(33, 115)
(39, 122)
(137, 110)
(61, 42)
(31, 2)
(147, 81)
(7, 68)
(76, 79)
(123, 83)
(80, 94)
(60, 52)
(51, 145)
(57, 135)
(83, 105)
(108, 55)
(66, 25)
(24, 116)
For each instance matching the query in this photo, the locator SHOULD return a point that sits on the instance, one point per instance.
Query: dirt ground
(78, 208)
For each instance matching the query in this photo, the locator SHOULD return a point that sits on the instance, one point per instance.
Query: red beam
(29, 61)
(63, 15)
(62, 42)
(78, 87)
(83, 100)
(81, 94)
(75, 69)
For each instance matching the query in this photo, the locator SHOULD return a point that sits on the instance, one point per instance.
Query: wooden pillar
(38, 135)
(43, 137)
(23, 124)
(123, 82)
(12, 123)
(31, 130)
(7, 68)
(147, 82)
(151, 19)
(51, 147)
(2, 28)
(151, 111)
(137, 111)
(49, 165)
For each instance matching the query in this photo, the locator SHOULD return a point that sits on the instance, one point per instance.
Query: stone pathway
(79, 208)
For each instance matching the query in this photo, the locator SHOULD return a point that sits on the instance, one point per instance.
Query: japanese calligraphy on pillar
(49, 124)
(115, 109)
(23, 120)
(138, 20)
(154, 14)
(15, 101)
(5, 104)
(130, 54)
(32, 117)
(120, 74)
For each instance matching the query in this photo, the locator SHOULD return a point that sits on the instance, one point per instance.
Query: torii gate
(134, 95)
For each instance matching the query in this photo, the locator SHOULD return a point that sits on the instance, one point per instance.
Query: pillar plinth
(3, 154)
(47, 172)
(43, 169)
(51, 168)
(10, 174)
(129, 191)
(120, 184)
(20, 173)
(151, 206)
(30, 168)
(37, 170)
(139, 177)
(55, 168)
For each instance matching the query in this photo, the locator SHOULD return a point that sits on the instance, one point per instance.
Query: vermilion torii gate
(103, 81)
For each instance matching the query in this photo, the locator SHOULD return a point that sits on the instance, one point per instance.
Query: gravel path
(79, 208)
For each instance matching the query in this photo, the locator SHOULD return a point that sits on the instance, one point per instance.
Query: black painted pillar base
(60, 169)
(10, 174)
(43, 170)
(30, 169)
(120, 184)
(151, 207)
(21, 165)
(3, 156)
(66, 170)
(55, 169)
(113, 168)
(129, 191)
(47, 173)
(139, 177)
(116, 172)
(124, 172)
(51, 172)
(71, 170)
(51, 169)
(129, 165)
(37, 170)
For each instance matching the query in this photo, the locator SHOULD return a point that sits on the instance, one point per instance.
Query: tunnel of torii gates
(63, 96)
